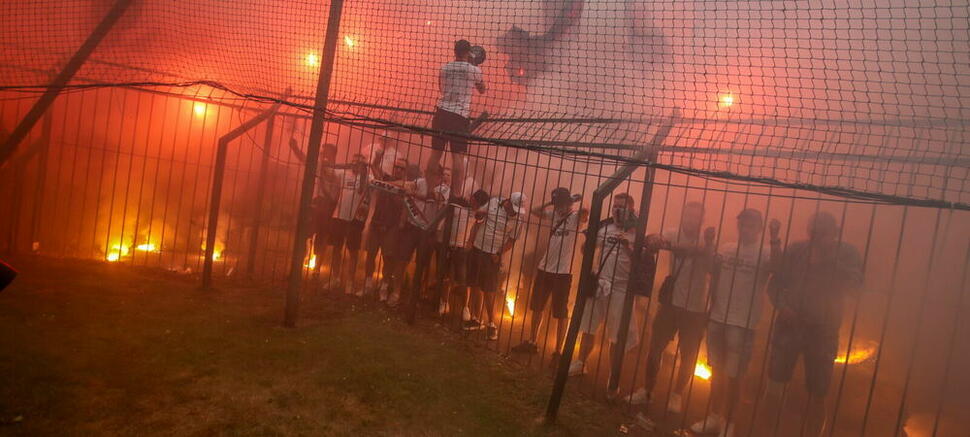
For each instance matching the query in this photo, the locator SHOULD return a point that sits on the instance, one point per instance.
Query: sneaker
(369, 284)
(675, 403)
(466, 315)
(639, 397)
(526, 347)
(728, 431)
(359, 292)
(577, 368)
(471, 325)
(382, 292)
(644, 422)
(712, 424)
(394, 299)
(491, 333)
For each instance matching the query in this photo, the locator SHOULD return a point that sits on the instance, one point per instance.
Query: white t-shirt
(351, 194)
(690, 289)
(460, 227)
(615, 261)
(498, 227)
(737, 298)
(562, 243)
(456, 80)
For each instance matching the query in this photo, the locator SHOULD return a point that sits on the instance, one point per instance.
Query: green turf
(92, 349)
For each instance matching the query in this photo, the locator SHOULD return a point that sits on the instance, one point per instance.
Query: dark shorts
(729, 348)
(346, 232)
(482, 271)
(450, 122)
(406, 241)
(816, 345)
(555, 285)
(380, 238)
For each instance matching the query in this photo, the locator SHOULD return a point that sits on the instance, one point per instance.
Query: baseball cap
(518, 201)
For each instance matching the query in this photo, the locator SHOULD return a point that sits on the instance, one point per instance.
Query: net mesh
(865, 99)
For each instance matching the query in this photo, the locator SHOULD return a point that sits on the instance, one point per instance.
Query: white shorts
(609, 309)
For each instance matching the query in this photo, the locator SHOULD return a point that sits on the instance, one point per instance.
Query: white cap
(518, 201)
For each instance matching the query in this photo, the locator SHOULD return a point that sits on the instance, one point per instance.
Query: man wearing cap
(495, 231)
(739, 275)
(553, 276)
(455, 81)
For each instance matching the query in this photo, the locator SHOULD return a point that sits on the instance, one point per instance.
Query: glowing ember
(428, 23)
(702, 371)
(312, 60)
(726, 100)
(312, 263)
(521, 72)
(216, 255)
(349, 41)
(856, 356)
(146, 247)
(510, 304)
(199, 109)
(113, 256)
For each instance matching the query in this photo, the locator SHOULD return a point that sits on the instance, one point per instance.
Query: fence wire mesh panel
(803, 166)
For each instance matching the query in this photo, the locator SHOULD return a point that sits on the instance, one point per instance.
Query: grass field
(88, 348)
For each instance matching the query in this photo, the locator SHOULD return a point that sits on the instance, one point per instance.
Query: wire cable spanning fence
(789, 196)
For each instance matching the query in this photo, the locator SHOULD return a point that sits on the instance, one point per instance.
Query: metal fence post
(310, 171)
(218, 175)
(260, 194)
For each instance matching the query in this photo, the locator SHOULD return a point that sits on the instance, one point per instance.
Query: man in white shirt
(554, 274)
(615, 241)
(683, 310)
(453, 262)
(347, 224)
(740, 272)
(455, 81)
(495, 232)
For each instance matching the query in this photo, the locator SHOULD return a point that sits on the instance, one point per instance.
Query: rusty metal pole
(310, 171)
(60, 81)
(260, 194)
(218, 175)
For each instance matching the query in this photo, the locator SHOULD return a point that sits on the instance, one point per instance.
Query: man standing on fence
(683, 303)
(455, 81)
(495, 234)
(615, 242)
(554, 275)
(811, 281)
(741, 270)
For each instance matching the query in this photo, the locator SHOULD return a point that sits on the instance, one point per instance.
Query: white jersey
(421, 191)
(690, 288)
(614, 260)
(351, 194)
(497, 229)
(457, 79)
(558, 258)
(737, 298)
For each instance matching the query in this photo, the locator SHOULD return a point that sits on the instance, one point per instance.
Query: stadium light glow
(199, 109)
(349, 41)
(726, 100)
(312, 60)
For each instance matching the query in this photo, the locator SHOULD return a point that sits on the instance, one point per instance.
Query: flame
(116, 252)
(199, 108)
(312, 59)
(312, 263)
(349, 41)
(702, 371)
(726, 100)
(146, 247)
(428, 23)
(216, 251)
(856, 356)
(510, 304)
(216, 254)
